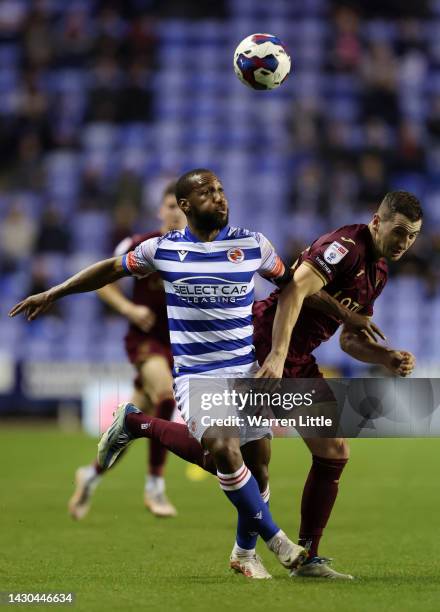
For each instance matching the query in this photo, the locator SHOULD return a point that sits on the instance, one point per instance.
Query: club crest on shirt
(335, 252)
(235, 255)
(182, 254)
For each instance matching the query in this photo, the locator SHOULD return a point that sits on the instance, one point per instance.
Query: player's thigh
(330, 448)
(256, 455)
(157, 381)
(142, 401)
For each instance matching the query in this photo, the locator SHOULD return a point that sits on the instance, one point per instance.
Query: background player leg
(157, 383)
(153, 394)
(329, 457)
(88, 477)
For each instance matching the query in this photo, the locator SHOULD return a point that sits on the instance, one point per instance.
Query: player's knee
(226, 454)
(337, 448)
(330, 448)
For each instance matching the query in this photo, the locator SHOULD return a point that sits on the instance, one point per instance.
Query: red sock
(318, 499)
(174, 436)
(157, 453)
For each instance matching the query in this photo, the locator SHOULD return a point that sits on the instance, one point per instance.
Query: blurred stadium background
(102, 102)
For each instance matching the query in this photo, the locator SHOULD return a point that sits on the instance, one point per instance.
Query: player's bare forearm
(89, 279)
(361, 347)
(112, 295)
(325, 303)
(288, 308)
(305, 282)
(138, 314)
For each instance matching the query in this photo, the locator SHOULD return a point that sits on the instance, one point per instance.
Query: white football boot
(249, 564)
(116, 438)
(287, 553)
(158, 504)
(319, 567)
(86, 481)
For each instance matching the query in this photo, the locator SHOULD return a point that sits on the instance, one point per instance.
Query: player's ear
(184, 205)
(376, 221)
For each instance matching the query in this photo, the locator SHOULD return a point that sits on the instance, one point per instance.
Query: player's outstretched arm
(91, 278)
(305, 282)
(141, 316)
(361, 347)
(323, 302)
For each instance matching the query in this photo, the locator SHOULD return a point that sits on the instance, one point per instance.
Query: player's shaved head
(186, 183)
(200, 195)
(400, 202)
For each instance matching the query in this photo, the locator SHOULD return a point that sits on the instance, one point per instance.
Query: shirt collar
(222, 234)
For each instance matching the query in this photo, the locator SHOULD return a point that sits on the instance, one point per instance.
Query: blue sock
(246, 537)
(242, 490)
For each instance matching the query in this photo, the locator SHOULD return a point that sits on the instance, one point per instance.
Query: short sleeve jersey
(345, 261)
(209, 289)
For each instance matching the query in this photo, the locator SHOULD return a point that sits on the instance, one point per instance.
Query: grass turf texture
(384, 530)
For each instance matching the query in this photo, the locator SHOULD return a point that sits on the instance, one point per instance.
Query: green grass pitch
(385, 530)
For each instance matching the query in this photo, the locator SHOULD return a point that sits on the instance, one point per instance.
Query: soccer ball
(261, 61)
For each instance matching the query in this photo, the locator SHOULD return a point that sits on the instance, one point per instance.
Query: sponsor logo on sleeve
(335, 252)
(323, 265)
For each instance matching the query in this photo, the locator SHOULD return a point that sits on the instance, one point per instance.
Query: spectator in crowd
(17, 236)
(54, 235)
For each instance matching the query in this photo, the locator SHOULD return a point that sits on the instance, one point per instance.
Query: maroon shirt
(148, 291)
(345, 261)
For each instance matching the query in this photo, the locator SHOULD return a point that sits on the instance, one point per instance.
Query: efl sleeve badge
(335, 252)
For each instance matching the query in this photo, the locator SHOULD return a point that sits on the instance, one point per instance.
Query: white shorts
(198, 420)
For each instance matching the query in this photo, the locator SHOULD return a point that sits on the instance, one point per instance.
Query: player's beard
(209, 222)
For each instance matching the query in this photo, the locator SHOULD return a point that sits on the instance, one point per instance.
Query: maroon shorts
(140, 348)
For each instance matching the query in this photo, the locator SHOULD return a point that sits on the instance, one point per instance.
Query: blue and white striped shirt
(209, 290)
